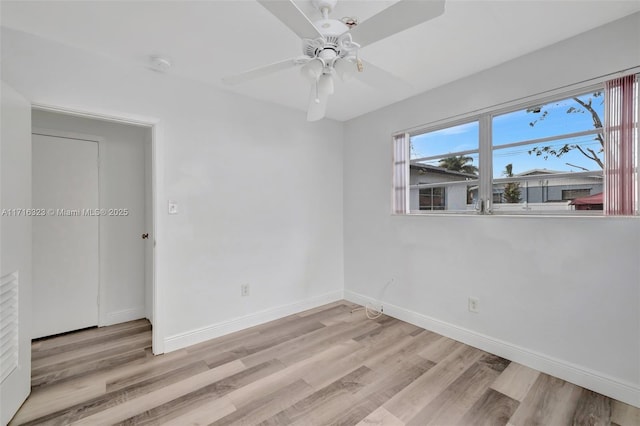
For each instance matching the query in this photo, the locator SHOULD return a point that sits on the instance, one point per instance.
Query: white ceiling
(207, 40)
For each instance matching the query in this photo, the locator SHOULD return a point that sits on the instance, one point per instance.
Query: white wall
(259, 188)
(122, 257)
(575, 312)
(15, 244)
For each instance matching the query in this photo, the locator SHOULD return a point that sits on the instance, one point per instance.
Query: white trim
(124, 315)
(610, 386)
(212, 331)
(157, 204)
(97, 116)
(445, 123)
(485, 166)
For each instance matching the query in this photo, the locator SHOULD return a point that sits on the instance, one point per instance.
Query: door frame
(156, 183)
(102, 289)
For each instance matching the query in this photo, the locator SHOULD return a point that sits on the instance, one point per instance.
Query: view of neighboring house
(540, 189)
(424, 196)
(548, 188)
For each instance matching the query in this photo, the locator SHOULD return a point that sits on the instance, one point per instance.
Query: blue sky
(515, 127)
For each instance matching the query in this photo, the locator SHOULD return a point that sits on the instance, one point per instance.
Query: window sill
(518, 215)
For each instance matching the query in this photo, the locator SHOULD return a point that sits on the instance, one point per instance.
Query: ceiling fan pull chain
(317, 99)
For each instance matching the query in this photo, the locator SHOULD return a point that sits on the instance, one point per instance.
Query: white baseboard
(612, 387)
(202, 334)
(124, 315)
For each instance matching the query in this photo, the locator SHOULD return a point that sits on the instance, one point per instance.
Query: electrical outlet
(474, 305)
(244, 290)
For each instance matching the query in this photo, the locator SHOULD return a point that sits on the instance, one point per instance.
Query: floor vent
(8, 325)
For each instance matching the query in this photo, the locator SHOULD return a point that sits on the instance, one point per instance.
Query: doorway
(94, 251)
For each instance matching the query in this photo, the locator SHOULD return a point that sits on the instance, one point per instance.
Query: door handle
(145, 236)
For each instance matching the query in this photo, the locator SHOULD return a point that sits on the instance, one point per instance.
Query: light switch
(173, 207)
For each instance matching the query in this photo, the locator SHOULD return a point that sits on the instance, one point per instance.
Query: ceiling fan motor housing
(335, 41)
(332, 44)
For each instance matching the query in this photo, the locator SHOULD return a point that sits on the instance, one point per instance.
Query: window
(432, 198)
(572, 194)
(445, 156)
(568, 155)
(542, 151)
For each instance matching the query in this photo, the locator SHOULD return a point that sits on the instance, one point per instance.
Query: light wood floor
(326, 366)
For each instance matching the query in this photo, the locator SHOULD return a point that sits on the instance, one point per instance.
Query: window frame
(486, 148)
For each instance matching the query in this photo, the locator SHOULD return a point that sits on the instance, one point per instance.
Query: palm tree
(459, 164)
(512, 189)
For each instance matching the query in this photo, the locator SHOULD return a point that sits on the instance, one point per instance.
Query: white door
(65, 240)
(15, 252)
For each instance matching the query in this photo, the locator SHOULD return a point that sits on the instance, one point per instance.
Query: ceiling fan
(330, 46)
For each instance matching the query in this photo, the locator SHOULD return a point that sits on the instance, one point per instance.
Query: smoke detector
(159, 63)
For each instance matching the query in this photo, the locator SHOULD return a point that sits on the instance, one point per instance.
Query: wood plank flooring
(325, 366)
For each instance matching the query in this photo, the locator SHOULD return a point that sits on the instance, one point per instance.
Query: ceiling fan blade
(317, 110)
(378, 78)
(259, 72)
(397, 17)
(292, 17)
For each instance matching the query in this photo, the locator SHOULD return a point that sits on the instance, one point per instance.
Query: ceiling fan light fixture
(325, 85)
(327, 55)
(345, 68)
(313, 69)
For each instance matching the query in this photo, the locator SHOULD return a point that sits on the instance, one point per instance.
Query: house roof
(534, 172)
(441, 170)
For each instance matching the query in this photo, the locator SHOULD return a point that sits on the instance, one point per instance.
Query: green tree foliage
(512, 189)
(583, 107)
(459, 163)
